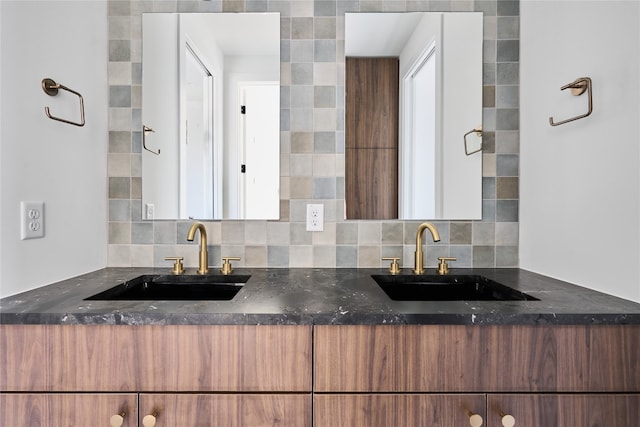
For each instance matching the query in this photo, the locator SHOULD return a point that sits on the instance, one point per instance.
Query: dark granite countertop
(316, 296)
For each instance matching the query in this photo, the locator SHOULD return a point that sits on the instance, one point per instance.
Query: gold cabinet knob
(117, 420)
(443, 267)
(178, 266)
(394, 268)
(227, 268)
(507, 420)
(149, 420)
(475, 420)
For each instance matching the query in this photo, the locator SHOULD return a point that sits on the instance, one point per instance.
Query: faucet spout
(203, 266)
(418, 267)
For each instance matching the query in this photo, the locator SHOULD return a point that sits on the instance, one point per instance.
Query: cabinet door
(412, 358)
(186, 358)
(384, 410)
(64, 410)
(534, 410)
(224, 358)
(453, 358)
(229, 410)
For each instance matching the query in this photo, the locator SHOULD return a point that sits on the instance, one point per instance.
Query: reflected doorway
(420, 151)
(259, 150)
(197, 171)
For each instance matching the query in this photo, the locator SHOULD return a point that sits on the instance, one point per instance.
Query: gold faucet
(204, 256)
(418, 267)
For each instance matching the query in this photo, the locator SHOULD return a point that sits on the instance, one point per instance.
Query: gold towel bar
(50, 87)
(578, 87)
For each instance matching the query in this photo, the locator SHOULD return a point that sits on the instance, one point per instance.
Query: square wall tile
(312, 132)
(346, 256)
(278, 256)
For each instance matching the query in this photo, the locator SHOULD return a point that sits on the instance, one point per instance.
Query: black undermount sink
(447, 288)
(176, 288)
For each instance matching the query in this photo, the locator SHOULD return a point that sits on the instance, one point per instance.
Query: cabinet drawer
(452, 358)
(384, 410)
(64, 410)
(155, 358)
(552, 410)
(229, 410)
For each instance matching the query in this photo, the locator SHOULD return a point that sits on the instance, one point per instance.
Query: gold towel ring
(145, 131)
(478, 132)
(50, 87)
(578, 87)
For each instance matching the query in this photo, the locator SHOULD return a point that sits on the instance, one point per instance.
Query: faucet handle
(394, 268)
(178, 267)
(443, 267)
(226, 264)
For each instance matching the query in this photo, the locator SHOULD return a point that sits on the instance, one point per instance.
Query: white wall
(580, 185)
(1, 168)
(458, 39)
(41, 159)
(461, 112)
(160, 109)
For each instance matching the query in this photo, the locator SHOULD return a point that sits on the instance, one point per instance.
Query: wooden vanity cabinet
(364, 375)
(542, 373)
(260, 374)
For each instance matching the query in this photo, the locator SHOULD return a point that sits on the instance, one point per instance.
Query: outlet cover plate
(32, 220)
(315, 217)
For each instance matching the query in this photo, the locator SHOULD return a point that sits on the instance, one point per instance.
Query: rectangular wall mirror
(211, 115)
(418, 139)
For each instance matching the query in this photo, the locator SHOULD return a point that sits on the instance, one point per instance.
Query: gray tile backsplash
(312, 147)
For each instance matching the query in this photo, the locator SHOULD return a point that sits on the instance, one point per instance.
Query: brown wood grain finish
(371, 138)
(547, 410)
(64, 410)
(376, 410)
(477, 359)
(155, 358)
(371, 109)
(371, 182)
(229, 410)
(227, 358)
(67, 358)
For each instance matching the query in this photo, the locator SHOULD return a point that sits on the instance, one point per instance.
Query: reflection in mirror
(439, 62)
(211, 94)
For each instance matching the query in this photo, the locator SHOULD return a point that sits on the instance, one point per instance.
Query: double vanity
(319, 347)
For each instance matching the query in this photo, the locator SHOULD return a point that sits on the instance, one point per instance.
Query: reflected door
(421, 189)
(260, 151)
(196, 198)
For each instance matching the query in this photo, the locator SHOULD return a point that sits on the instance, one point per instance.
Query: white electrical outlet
(32, 220)
(151, 210)
(315, 217)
